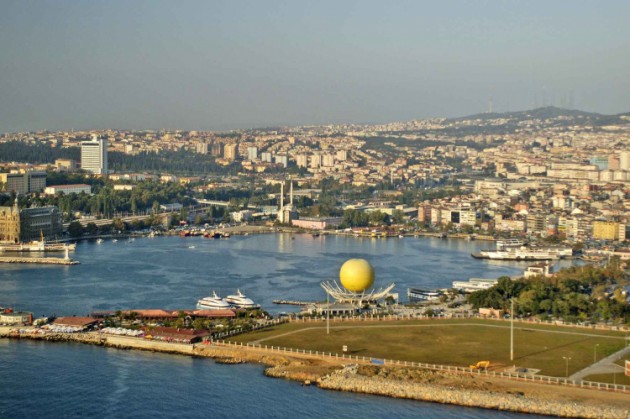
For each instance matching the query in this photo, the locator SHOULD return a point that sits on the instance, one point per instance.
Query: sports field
(451, 342)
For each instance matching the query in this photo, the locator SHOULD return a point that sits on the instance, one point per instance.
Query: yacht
(239, 300)
(213, 303)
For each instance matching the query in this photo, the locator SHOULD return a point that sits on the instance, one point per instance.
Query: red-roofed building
(175, 335)
(83, 322)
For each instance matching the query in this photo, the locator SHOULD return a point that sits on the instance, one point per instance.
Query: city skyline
(224, 65)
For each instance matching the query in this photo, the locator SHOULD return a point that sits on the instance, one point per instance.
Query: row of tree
(573, 294)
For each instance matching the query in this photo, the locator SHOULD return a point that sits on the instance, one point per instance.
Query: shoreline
(397, 382)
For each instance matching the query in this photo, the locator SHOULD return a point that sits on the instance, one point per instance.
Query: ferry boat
(509, 243)
(474, 284)
(37, 246)
(525, 254)
(417, 294)
(239, 300)
(213, 303)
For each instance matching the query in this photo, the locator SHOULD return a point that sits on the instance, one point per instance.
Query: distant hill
(547, 113)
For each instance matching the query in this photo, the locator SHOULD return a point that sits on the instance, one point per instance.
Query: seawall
(399, 382)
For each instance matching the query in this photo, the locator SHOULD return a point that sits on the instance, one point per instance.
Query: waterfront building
(40, 221)
(317, 223)
(29, 224)
(15, 318)
(10, 223)
(94, 156)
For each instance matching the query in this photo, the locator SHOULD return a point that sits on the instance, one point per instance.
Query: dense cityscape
(423, 206)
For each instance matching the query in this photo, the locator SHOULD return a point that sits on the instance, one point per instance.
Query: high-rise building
(202, 148)
(217, 149)
(252, 153)
(266, 157)
(229, 151)
(94, 156)
(301, 160)
(624, 160)
(282, 159)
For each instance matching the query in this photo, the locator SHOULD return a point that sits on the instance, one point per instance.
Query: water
(72, 380)
(167, 273)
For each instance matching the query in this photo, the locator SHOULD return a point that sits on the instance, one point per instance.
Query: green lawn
(618, 378)
(450, 342)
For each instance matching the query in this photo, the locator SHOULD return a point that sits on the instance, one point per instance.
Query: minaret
(281, 199)
(291, 195)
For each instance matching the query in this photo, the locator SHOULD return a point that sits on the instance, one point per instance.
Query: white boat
(37, 246)
(213, 303)
(525, 254)
(99, 241)
(509, 243)
(239, 300)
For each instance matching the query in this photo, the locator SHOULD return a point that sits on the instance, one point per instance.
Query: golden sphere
(356, 275)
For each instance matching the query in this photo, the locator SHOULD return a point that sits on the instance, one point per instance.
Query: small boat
(99, 241)
(115, 241)
(191, 247)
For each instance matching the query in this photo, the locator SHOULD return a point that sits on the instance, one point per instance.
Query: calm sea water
(69, 380)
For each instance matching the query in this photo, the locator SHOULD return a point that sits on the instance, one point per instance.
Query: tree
(118, 224)
(92, 228)
(75, 229)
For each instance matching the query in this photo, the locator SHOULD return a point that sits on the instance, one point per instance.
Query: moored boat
(239, 300)
(213, 302)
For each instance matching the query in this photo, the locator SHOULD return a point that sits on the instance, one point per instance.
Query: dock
(292, 303)
(41, 261)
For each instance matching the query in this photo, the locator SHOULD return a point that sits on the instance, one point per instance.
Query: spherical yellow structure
(356, 275)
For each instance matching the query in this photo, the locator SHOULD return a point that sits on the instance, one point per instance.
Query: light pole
(595, 353)
(566, 359)
(512, 330)
(327, 314)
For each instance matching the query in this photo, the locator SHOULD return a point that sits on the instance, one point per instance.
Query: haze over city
(224, 65)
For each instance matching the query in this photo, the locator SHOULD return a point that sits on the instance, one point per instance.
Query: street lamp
(566, 359)
(595, 353)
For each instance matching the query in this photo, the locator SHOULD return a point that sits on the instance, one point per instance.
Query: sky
(219, 65)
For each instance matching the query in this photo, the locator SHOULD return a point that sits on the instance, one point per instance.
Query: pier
(293, 303)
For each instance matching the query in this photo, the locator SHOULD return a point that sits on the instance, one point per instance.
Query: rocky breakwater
(44, 261)
(442, 387)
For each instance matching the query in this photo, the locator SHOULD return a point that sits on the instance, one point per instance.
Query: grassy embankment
(458, 342)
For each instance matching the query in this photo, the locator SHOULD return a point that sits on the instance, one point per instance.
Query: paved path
(603, 366)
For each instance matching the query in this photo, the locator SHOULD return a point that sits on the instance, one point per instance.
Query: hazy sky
(239, 64)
